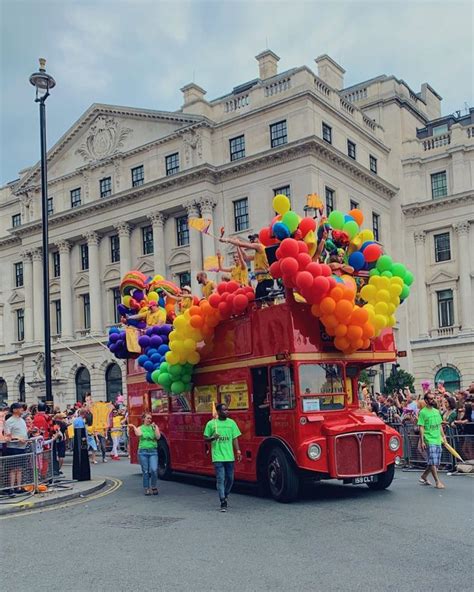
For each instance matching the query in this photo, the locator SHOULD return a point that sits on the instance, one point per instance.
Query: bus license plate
(369, 479)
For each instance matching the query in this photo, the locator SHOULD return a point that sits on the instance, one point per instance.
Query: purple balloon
(141, 324)
(155, 330)
(144, 341)
(113, 347)
(138, 295)
(166, 329)
(149, 332)
(156, 341)
(114, 337)
(122, 309)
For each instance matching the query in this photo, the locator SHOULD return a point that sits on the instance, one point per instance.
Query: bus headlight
(394, 444)
(314, 451)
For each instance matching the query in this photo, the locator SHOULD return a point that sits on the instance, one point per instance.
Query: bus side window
(283, 388)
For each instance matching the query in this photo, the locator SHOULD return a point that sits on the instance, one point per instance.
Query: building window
(373, 164)
(351, 149)
(278, 134)
(376, 226)
(113, 382)
(237, 147)
(182, 231)
(172, 164)
(50, 206)
(354, 205)
(442, 247)
(445, 308)
(16, 220)
(241, 214)
(285, 190)
(330, 194)
(57, 315)
(138, 176)
(450, 377)
(20, 324)
(184, 279)
(84, 256)
(147, 240)
(114, 248)
(75, 198)
(86, 311)
(116, 300)
(327, 133)
(21, 390)
(83, 384)
(105, 187)
(3, 391)
(18, 275)
(439, 185)
(56, 264)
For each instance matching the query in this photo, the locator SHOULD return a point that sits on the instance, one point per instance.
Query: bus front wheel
(384, 480)
(282, 477)
(164, 460)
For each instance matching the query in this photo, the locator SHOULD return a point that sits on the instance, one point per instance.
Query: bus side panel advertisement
(204, 396)
(235, 395)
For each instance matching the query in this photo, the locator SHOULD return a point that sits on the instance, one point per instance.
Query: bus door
(261, 401)
(283, 402)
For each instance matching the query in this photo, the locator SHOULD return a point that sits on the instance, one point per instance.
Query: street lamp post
(43, 83)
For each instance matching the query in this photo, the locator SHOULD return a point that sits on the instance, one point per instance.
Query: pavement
(336, 537)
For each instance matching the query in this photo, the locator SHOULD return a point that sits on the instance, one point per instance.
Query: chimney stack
(330, 71)
(267, 64)
(192, 93)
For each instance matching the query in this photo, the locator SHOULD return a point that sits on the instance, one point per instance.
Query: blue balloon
(357, 260)
(148, 365)
(150, 351)
(366, 244)
(163, 349)
(148, 377)
(142, 359)
(155, 358)
(114, 330)
(348, 218)
(281, 231)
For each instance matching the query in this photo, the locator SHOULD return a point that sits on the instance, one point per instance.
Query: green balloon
(291, 220)
(187, 387)
(409, 278)
(164, 367)
(405, 292)
(351, 227)
(175, 370)
(177, 387)
(373, 272)
(399, 270)
(387, 274)
(188, 368)
(155, 376)
(384, 263)
(164, 379)
(336, 219)
(186, 378)
(330, 246)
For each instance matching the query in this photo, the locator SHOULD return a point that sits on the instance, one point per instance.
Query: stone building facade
(123, 182)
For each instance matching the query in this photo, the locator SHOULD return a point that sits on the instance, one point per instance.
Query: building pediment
(443, 276)
(179, 257)
(145, 266)
(113, 273)
(17, 297)
(81, 282)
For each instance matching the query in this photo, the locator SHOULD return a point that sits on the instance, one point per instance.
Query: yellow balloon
(396, 280)
(366, 235)
(172, 357)
(157, 278)
(153, 296)
(383, 296)
(172, 336)
(381, 308)
(193, 358)
(380, 321)
(189, 345)
(180, 323)
(384, 283)
(368, 292)
(391, 308)
(395, 301)
(395, 290)
(126, 301)
(281, 204)
(391, 321)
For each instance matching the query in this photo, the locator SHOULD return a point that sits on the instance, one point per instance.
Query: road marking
(116, 484)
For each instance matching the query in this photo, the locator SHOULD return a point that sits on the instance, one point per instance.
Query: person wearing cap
(260, 263)
(186, 300)
(207, 285)
(238, 272)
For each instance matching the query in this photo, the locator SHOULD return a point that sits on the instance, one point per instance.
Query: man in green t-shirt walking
(431, 438)
(222, 432)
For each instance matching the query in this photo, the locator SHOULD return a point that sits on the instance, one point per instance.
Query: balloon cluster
(117, 343)
(154, 344)
(231, 299)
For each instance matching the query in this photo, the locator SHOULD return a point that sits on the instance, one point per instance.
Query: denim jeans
(224, 478)
(101, 441)
(149, 463)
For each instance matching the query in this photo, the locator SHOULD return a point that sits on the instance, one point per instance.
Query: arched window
(3, 391)
(113, 382)
(83, 384)
(451, 378)
(21, 390)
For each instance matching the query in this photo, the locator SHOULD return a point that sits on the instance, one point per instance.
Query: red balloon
(222, 287)
(304, 280)
(326, 270)
(303, 247)
(275, 269)
(214, 300)
(289, 265)
(288, 281)
(225, 296)
(250, 296)
(321, 284)
(314, 269)
(297, 235)
(232, 286)
(265, 237)
(303, 261)
(306, 225)
(224, 309)
(372, 252)
(332, 282)
(240, 302)
(289, 247)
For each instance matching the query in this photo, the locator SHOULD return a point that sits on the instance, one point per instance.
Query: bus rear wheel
(282, 477)
(164, 460)
(384, 480)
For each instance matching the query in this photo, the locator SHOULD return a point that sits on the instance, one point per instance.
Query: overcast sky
(141, 52)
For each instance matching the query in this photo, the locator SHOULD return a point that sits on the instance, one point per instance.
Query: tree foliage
(399, 380)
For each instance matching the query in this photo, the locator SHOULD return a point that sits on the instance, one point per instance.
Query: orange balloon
(194, 310)
(365, 344)
(340, 330)
(196, 321)
(336, 293)
(204, 306)
(316, 310)
(350, 287)
(354, 332)
(358, 344)
(330, 321)
(331, 331)
(357, 215)
(359, 316)
(327, 305)
(368, 330)
(343, 309)
(341, 343)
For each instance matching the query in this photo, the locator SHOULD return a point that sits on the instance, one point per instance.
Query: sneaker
(104, 460)
(226, 501)
(224, 506)
(94, 462)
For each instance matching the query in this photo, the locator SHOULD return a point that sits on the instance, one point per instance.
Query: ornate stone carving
(26, 255)
(38, 372)
(63, 246)
(192, 147)
(420, 237)
(36, 254)
(92, 238)
(192, 207)
(207, 204)
(86, 177)
(117, 171)
(462, 228)
(105, 138)
(158, 218)
(123, 228)
(55, 366)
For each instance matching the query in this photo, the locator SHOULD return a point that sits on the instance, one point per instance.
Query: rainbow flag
(199, 224)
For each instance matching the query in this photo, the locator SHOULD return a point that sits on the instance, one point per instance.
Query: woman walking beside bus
(148, 434)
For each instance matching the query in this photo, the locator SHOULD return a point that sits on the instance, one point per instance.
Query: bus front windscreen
(321, 387)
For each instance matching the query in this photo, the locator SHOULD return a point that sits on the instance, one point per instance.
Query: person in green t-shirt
(222, 433)
(148, 434)
(432, 435)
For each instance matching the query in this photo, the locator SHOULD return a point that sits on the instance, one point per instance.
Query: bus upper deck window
(283, 391)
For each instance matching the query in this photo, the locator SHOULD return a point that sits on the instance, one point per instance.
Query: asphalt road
(335, 538)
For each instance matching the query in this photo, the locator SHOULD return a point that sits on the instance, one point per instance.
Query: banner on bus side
(235, 395)
(204, 396)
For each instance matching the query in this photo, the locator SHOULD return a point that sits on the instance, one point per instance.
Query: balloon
(153, 296)
(289, 266)
(303, 260)
(289, 248)
(383, 296)
(265, 237)
(307, 225)
(405, 292)
(357, 215)
(240, 302)
(291, 220)
(340, 330)
(281, 204)
(372, 252)
(351, 228)
(354, 332)
(155, 341)
(337, 293)
(196, 321)
(275, 269)
(359, 316)
(330, 321)
(316, 310)
(388, 274)
(194, 358)
(163, 349)
(409, 278)
(155, 375)
(177, 387)
(374, 272)
(341, 343)
(384, 263)
(148, 365)
(343, 309)
(164, 378)
(214, 300)
(336, 219)
(281, 231)
(304, 280)
(321, 285)
(366, 235)
(381, 308)
(172, 357)
(357, 260)
(399, 270)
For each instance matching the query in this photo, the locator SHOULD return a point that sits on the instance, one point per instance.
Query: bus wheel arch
(164, 459)
(277, 472)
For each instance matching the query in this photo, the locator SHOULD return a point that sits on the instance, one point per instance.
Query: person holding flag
(222, 433)
(238, 272)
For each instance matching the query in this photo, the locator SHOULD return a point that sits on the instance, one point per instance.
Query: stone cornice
(429, 206)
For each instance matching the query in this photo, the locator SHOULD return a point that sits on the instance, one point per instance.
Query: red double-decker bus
(293, 396)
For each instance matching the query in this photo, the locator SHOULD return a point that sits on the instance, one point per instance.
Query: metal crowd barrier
(29, 470)
(413, 456)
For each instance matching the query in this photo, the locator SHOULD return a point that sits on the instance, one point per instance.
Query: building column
(29, 295)
(195, 250)
(64, 248)
(95, 294)
(158, 220)
(208, 246)
(422, 299)
(465, 292)
(38, 320)
(124, 231)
